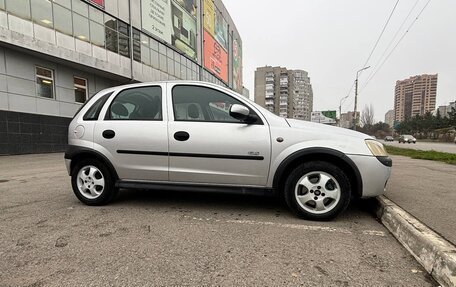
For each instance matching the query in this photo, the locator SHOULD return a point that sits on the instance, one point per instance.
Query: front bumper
(374, 173)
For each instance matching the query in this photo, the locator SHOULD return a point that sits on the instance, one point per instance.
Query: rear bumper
(374, 173)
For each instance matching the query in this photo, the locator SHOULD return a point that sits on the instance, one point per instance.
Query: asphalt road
(427, 190)
(443, 147)
(149, 238)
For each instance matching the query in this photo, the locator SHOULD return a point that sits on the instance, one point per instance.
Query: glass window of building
(80, 90)
(145, 55)
(110, 22)
(123, 28)
(163, 63)
(44, 82)
(96, 15)
(154, 59)
(137, 45)
(124, 45)
(81, 8)
(111, 40)
(97, 34)
(19, 8)
(81, 27)
(64, 3)
(62, 21)
(42, 12)
(2, 4)
(153, 44)
(144, 40)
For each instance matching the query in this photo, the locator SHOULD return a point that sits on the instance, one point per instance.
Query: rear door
(132, 133)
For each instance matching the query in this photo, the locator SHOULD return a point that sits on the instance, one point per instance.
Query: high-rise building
(415, 96)
(389, 118)
(55, 55)
(287, 93)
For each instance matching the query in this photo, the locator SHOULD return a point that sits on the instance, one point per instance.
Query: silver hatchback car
(199, 136)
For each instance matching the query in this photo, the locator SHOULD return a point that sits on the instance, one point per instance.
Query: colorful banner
(215, 57)
(184, 31)
(237, 66)
(221, 30)
(156, 18)
(209, 16)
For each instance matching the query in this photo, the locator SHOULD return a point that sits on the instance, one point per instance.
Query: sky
(332, 39)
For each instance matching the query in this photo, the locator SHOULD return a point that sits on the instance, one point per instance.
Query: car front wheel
(92, 182)
(317, 190)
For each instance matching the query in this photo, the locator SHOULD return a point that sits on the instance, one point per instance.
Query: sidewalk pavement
(427, 190)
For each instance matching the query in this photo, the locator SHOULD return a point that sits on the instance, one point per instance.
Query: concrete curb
(434, 253)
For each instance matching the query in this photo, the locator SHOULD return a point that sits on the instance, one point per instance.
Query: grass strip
(445, 157)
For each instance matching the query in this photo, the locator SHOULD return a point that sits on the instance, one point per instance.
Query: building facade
(287, 93)
(54, 55)
(347, 119)
(446, 110)
(415, 96)
(389, 118)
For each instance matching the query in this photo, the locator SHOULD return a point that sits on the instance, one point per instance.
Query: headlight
(376, 148)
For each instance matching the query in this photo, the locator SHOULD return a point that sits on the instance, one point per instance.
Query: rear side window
(142, 103)
(94, 111)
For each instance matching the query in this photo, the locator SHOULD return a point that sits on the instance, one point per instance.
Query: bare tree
(367, 116)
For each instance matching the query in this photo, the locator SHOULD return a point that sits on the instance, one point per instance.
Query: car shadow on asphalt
(226, 203)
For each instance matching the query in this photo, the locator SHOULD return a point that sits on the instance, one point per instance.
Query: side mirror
(239, 112)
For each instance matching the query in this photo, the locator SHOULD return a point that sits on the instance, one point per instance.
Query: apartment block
(415, 96)
(287, 93)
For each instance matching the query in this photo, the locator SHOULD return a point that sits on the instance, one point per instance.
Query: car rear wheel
(92, 182)
(317, 190)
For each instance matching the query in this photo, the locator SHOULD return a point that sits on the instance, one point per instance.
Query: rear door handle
(109, 134)
(181, 136)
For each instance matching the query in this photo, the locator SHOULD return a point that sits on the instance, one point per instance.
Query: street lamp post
(340, 108)
(355, 117)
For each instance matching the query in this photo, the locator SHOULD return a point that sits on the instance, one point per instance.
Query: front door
(133, 133)
(207, 145)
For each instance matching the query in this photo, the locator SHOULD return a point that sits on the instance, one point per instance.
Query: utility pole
(355, 117)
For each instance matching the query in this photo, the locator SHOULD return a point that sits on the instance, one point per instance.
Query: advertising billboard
(172, 21)
(319, 117)
(215, 57)
(184, 28)
(330, 114)
(237, 65)
(209, 16)
(221, 30)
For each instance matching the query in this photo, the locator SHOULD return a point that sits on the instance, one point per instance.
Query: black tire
(305, 168)
(109, 192)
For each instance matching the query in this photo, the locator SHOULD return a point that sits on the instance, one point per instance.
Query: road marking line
(291, 226)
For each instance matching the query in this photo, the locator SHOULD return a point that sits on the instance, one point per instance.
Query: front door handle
(109, 134)
(181, 136)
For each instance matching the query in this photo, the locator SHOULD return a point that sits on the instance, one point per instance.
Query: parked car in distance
(389, 139)
(407, 139)
(195, 136)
